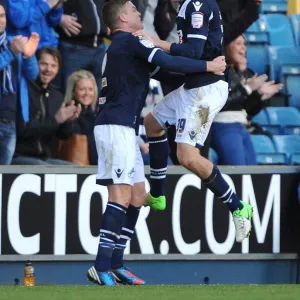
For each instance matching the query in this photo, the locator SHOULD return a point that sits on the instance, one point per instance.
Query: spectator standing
(49, 117)
(80, 148)
(17, 64)
(41, 16)
(81, 34)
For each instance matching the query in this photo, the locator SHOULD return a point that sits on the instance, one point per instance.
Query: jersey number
(181, 125)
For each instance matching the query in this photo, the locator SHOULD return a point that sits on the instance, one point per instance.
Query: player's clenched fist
(217, 66)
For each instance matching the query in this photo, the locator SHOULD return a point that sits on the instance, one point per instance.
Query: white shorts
(192, 111)
(119, 157)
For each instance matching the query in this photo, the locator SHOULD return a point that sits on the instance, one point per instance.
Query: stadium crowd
(52, 59)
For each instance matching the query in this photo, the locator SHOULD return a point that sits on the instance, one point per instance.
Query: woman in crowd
(80, 148)
(247, 96)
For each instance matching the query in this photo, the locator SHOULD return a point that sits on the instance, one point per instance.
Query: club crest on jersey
(197, 5)
(147, 43)
(197, 19)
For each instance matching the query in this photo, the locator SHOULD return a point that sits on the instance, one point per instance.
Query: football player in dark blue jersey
(129, 64)
(192, 107)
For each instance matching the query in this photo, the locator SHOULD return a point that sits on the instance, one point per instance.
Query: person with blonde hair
(85, 80)
(80, 147)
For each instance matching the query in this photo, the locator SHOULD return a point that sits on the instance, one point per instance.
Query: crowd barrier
(52, 214)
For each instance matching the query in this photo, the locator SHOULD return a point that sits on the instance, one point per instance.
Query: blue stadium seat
(271, 159)
(254, 27)
(262, 144)
(257, 57)
(273, 6)
(288, 118)
(274, 129)
(279, 28)
(256, 37)
(283, 61)
(261, 118)
(289, 144)
(213, 156)
(283, 115)
(257, 52)
(295, 159)
(295, 22)
(292, 86)
(265, 151)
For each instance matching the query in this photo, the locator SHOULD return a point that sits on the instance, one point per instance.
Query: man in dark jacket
(49, 117)
(81, 38)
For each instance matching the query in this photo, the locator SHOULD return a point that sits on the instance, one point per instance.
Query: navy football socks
(159, 153)
(111, 225)
(126, 235)
(218, 185)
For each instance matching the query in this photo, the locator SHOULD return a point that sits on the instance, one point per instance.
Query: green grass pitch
(153, 292)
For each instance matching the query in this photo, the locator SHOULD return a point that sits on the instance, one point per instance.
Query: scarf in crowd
(7, 81)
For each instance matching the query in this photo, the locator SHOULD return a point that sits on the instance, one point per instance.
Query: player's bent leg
(159, 153)
(156, 123)
(211, 177)
(196, 111)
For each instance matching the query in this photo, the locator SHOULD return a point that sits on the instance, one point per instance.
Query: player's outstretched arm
(192, 49)
(187, 65)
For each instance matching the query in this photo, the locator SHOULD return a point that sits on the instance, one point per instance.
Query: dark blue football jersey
(126, 80)
(201, 21)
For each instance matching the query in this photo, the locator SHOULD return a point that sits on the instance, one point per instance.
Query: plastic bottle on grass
(29, 274)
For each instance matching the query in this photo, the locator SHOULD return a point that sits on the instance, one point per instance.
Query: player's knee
(138, 199)
(120, 193)
(122, 201)
(152, 127)
(185, 160)
(186, 157)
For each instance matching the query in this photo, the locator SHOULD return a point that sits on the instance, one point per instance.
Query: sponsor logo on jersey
(102, 100)
(197, 20)
(147, 43)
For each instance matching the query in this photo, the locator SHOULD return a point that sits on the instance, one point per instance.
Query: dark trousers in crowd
(79, 57)
(7, 141)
